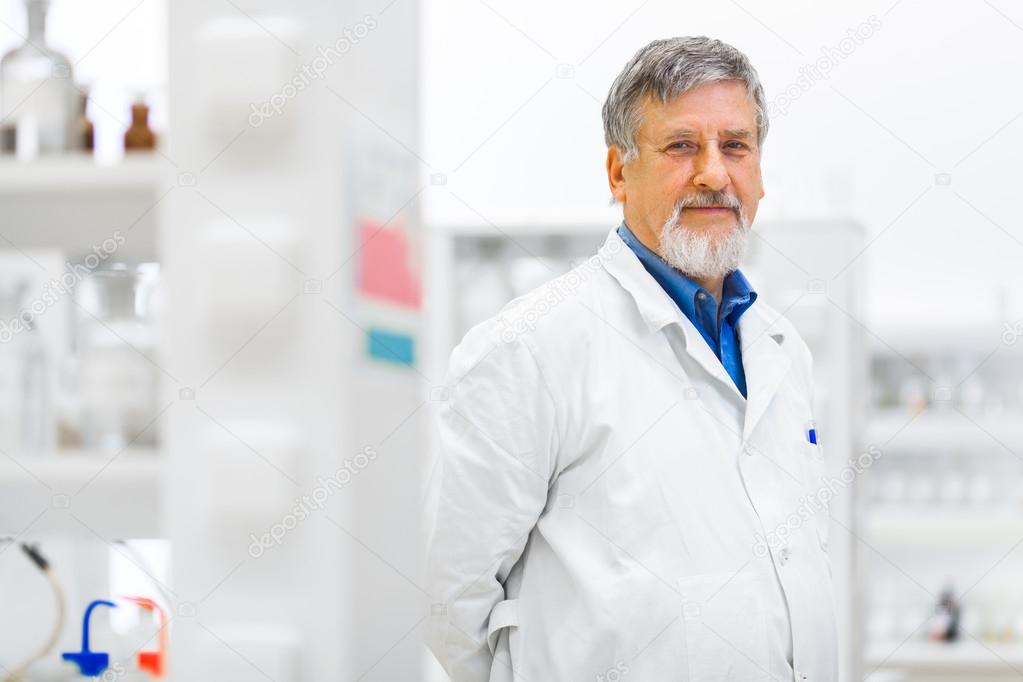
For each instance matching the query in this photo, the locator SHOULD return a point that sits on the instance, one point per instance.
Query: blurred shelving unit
(942, 508)
(265, 385)
(508, 258)
(75, 502)
(70, 204)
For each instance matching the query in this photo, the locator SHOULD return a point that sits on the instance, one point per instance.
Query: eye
(681, 145)
(736, 145)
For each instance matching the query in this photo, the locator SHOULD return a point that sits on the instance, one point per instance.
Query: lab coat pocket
(502, 639)
(818, 491)
(725, 627)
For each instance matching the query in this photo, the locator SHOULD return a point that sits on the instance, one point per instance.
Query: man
(617, 445)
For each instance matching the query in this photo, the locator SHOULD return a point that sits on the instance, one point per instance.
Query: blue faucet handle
(90, 663)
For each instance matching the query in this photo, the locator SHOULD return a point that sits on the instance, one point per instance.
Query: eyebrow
(734, 133)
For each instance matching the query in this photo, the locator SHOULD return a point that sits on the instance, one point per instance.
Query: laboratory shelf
(83, 494)
(530, 229)
(922, 340)
(73, 206)
(944, 430)
(79, 173)
(941, 527)
(965, 654)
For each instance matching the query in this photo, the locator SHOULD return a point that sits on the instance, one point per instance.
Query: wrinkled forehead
(718, 109)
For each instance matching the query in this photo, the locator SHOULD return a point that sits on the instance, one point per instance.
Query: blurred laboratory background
(240, 238)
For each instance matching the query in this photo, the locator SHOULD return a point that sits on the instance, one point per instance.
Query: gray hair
(667, 69)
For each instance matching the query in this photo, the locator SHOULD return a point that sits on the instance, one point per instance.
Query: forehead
(707, 109)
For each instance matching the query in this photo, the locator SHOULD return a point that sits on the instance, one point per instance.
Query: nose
(711, 173)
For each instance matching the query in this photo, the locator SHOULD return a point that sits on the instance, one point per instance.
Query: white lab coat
(611, 508)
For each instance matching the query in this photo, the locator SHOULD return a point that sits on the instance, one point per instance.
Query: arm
(498, 441)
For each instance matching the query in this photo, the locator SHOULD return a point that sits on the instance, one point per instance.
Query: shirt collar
(656, 309)
(737, 293)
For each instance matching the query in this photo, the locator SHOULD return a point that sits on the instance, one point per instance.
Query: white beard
(698, 255)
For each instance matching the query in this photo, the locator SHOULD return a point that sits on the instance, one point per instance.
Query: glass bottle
(116, 343)
(26, 417)
(84, 131)
(139, 137)
(37, 92)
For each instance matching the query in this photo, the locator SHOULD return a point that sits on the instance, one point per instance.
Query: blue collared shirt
(700, 307)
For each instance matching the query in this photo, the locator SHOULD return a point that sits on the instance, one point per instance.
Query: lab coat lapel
(765, 362)
(657, 308)
(698, 349)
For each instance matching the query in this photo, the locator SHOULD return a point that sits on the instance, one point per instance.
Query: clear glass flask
(117, 365)
(27, 424)
(37, 93)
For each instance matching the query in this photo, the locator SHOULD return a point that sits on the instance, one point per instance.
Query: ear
(616, 173)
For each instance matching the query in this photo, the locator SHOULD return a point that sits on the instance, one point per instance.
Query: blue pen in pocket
(811, 432)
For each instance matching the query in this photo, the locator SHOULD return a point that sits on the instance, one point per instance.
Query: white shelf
(975, 339)
(537, 229)
(72, 205)
(82, 494)
(79, 173)
(69, 466)
(942, 527)
(941, 429)
(965, 654)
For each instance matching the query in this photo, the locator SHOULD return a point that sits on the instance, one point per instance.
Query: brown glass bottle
(139, 137)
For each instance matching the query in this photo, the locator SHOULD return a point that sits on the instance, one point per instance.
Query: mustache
(708, 199)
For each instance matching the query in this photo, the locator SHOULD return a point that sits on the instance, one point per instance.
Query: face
(700, 148)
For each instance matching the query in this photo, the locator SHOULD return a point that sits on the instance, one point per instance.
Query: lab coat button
(748, 449)
(784, 554)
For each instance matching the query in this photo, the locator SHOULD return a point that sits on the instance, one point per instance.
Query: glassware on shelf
(913, 394)
(483, 283)
(85, 135)
(117, 365)
(37, 93)
(139, 137)
(26, 414)
(944, 625)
